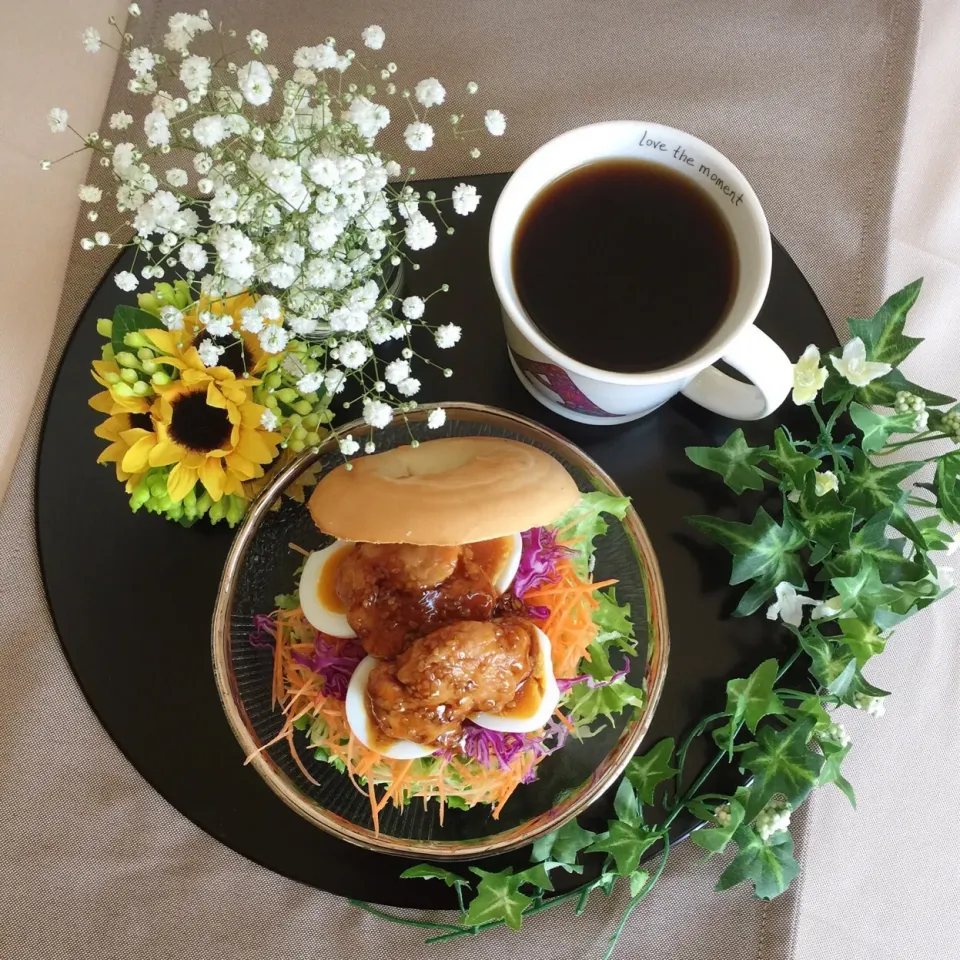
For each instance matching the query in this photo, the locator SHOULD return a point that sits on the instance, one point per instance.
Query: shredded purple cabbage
(264, 631)
(335, 666)
(538, 565)
(567, 683)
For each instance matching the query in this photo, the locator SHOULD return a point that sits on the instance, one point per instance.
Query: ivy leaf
(862, 593)
(882, 334)
(637, 880)
(789, 461)
(782, 764)
(735, 461)
(883, 392)
(651, 769)
(948, 487)
(830, 665)
(539, 873)
(625, 805)
(625, 844)
(877, 427)
(427, 871)
(824, 519)
(564, 844)
(933, 536)
(127, 319)
(870, 541)
(833, 755)
(840, 684)
(715, 839)
(751, 699)
(862, 639)
(871, 489)
(769, 864)
(498, 898)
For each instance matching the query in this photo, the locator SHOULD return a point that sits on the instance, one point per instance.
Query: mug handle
(759, 359)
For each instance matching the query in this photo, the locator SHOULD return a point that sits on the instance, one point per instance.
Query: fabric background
(810, 104)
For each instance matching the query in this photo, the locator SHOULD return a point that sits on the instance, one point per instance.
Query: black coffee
(625, 265)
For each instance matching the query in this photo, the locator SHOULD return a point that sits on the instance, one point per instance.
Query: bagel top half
(450, 491)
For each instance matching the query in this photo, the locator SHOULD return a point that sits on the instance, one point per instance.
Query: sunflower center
(198, 426)
(235, 357)
(141, 421)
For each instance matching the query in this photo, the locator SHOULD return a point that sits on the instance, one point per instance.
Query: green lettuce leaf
(585, 522)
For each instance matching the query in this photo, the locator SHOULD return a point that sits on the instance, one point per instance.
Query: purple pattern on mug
(558, 381)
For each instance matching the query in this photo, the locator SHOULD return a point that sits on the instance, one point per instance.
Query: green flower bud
(297, 446)
(311, 422)
(272, 363)
(235, 510)
(181, 294)
(326, 415)
(127, 359)
(298, 433)
(149, 367)
(158, 485)
(286, 395)
(175, 511)
(105, 327)
(294, 420)
(145, 353)
(312, 439)
(106, 351)
(112, 378)
(160, 379)
(136, 340)
(149, 303)
(204, 504)
(274, 381)
(142, 389)
(139, 497)
(302, 407)
(218, 510)
(128, 375)
(270, 402)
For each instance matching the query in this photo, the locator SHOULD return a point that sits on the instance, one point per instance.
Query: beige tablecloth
(809, 101)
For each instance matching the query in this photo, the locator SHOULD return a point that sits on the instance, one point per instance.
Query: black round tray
(132, 595)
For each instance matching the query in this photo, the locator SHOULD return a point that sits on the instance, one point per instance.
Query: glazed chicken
(395, 593)
(441, 678)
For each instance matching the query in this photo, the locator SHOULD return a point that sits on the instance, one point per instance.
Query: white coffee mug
(591, 395)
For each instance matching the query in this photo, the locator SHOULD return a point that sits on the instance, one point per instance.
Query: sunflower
(243, 355)
(123, 430)
(208, 427)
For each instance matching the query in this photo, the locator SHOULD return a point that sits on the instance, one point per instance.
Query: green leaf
(625, 805)
(782, 764)
(870, 541)
(789, 461)
(769, 865)
(830, 663)
(751, 699)
(498, 898)
(762, 550)
(882, 334)
(877, 427)
(625, 844)
(584, 522)
(871, 489)
(127, 319)
(862, 593)
(585, 704)
(948, 487)
(833, 755)
(651, 769)
(840, 684)
(735, 461)
(883, 392)
(824, 520)
(427, 871)
(637, 880)
(933, 536)
(539, 873)
(564, 844)
(715, 839)
(613, 619)
(754, 597)
(862, 639)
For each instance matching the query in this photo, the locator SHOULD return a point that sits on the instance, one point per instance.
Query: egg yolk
(327, 582)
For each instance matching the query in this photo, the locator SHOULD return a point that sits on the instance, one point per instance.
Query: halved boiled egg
(365, 728)
(318, 590)
(536, 699)
(500, 559)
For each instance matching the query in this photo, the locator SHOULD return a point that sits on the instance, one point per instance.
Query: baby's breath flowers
(239, 177)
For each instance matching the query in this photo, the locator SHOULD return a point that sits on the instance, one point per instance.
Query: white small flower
(789, 604)
(369, 118)
(58, 118)
(465, 198)
(269, 308)
(773, 818)
(413, 307)
(855, 367)
(837, 733)
(177, 177)
(334, 381)
(125, 280)
(472, 87)
(369, 447)
(91, 40)
(257, 41)
(310, 382)
(945, 579)
(205, 185)
(210, 353)
(419, 136)
(274, 338)
(171, 318)
(195, 72)
(157, 128)
(352, 354)
(250, 320)
(134, 9)
(420, 233)
(825, 482)
(872, 705)
(430, 92)
(447, 335)
(373, 36)
(721, 815)
(408, 207)
(120, 120)
(437, 418)
(87, 244)
(495, 122)
(826, 608)
(376, 413)
(202, 163)
(269, 420)
(217, 324)
(808, 376)
(209, 131)
(102, 238)
(393, 169)
(253, 79)
(193, 256)
(89, 194)
(409, 387)
(396, 371)
(141, 61)
(349, 446)
(921, 421)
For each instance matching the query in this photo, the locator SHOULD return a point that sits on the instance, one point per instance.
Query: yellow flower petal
(251, 414)
(137, 457)
(242, 467)
(215, 398)
(212, 477)
(163, 340)
(113, 454)
(165, 453)
(254, 447)
(102, 402)
(112, 428)
(181, 481)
